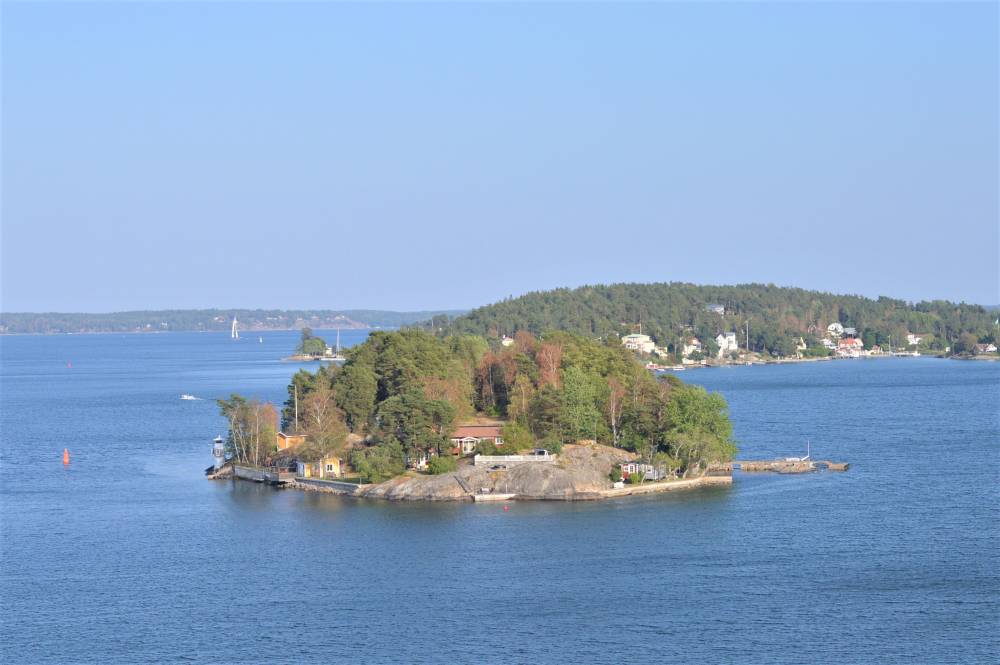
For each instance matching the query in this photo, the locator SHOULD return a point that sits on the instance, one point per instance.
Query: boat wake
(190, 397)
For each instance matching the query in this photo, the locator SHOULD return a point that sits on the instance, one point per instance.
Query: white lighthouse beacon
(219, 452)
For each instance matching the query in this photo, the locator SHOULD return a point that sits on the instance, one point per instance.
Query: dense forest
(209, 319)
(402, 393)
(777, 316)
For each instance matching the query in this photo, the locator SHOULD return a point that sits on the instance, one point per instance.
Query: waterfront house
(330, 466)
(851, 332)
(851, 347)
(285, 441)
(986, 348)
(636, 342)
(648, 471)
(466, 437)
(835, 329)
(691, 345)
(727, 343)
(913, 339)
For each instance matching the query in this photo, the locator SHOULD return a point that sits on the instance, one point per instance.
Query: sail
(235, 334)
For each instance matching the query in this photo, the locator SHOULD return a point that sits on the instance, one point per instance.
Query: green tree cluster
(778, 316)
(310, 345)
(403, 392)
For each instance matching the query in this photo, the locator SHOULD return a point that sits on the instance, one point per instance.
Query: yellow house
(286, 441)
(330, 466)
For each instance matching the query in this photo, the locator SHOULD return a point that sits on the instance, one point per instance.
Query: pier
(788, 465)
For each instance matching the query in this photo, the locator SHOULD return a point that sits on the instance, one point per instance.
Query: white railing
(494, 460)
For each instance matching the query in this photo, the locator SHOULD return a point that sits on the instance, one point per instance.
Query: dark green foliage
(407, 389)
(552, 444)
(966, 344)
(778, 316)
(310, 345)
(616, 474)
(442, 464)
(516, 437)
(378, 462)
(487, 447)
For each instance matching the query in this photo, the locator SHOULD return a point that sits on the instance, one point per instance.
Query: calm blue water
(129, 555)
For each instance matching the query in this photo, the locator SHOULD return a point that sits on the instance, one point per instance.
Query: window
(329, 468)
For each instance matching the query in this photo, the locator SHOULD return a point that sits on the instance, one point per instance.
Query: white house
(716, 308)
(913, 339)
(727, 343)
(647, 471)
(642, 343)
(691, 345)
(835, 329)
(506, 341)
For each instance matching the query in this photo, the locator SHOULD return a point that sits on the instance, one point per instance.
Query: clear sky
(446, 156)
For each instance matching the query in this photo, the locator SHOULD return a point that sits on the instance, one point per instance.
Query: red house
(467, 437)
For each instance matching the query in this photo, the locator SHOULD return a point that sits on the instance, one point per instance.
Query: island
(312, 348)
(413, 415)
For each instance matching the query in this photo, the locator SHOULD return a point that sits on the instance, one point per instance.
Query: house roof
(477, 431)
(291, 436)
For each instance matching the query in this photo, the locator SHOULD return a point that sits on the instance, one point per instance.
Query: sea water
(129, 555)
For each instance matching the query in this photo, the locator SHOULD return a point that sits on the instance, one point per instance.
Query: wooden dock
(268, 475)
(788, 466)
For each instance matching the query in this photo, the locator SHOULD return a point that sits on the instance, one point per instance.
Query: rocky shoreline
(581, 473)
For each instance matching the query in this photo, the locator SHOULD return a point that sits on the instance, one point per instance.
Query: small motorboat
(189, 397)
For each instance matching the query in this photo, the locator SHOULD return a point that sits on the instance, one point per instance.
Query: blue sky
(446, 156)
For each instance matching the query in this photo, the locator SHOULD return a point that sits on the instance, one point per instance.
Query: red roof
(477, 431)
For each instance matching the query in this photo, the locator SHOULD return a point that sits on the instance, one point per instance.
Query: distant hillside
(210, 319)
(778, 316)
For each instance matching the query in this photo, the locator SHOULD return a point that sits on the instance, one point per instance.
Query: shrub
(378, 462)
(616, 474)
(636, 478)
(552, 444)
(486, 447)
(516, 437)
(442, 464)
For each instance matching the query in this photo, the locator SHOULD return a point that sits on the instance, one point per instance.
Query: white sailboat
(335, 355)
(235, 333)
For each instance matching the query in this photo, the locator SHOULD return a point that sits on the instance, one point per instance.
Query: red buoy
(506, 508)
(66, 456)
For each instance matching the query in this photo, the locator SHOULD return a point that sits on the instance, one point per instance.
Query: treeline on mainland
(778, 316)
(208, 320)
(402, 393)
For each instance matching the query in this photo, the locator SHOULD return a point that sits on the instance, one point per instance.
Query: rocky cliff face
(580, 471)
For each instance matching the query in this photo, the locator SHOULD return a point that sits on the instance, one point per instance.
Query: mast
(338, 341)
